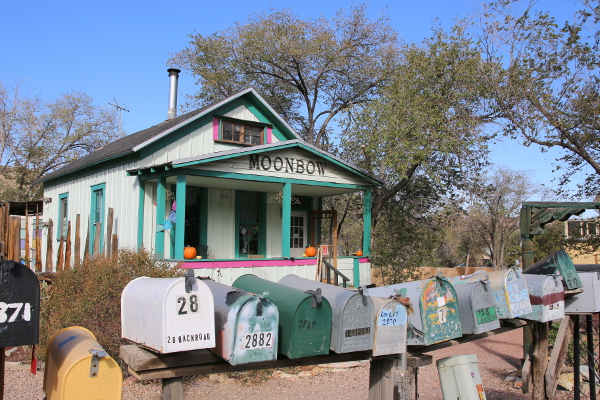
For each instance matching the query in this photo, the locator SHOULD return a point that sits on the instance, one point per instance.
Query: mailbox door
(589, 300)
(546, 295)
(352, 324)
(412, 290)
(390, 327)
(19, 305)
(516, 294)
(439, 311)
(159, 314)
(483, 303)
(304, 331)
(561, 262)
(256, 332)
(356, 328)
(190, 321)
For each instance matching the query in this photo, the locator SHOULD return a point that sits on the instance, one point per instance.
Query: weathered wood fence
(68, 247)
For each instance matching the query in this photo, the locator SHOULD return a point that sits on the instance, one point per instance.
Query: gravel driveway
(497, 357)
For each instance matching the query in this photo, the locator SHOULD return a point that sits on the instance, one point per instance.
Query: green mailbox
(304, 316)
(561, 262)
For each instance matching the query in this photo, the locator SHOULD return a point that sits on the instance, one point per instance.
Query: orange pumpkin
(311, 251)
(359, 253)
(189, 253)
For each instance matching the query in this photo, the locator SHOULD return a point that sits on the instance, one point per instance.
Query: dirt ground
(497, 357)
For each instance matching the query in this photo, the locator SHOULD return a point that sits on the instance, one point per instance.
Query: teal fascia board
(244, 177)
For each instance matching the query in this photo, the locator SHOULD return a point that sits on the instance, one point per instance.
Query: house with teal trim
(232, 179)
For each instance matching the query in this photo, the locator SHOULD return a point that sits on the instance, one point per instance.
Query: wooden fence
(427, 272)
(68, 247)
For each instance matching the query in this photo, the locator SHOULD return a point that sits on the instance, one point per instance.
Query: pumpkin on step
(189, 253)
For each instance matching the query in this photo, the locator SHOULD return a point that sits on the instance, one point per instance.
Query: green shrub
(89, 296)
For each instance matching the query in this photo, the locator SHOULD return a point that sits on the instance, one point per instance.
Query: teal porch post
(367, 223)
(142, 197)
(286, 219)
(180, 216)
(356, 267)
(161, 202)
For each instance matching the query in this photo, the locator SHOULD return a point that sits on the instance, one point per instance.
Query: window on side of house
(251, 224)
(63, 215)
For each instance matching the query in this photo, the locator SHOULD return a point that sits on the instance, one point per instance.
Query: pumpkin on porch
(189, 253)
(311, 251)
(359, 253)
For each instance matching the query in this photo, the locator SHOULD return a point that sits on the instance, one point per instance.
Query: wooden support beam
(540, 361)
(557, 357)
(172, 388)
(159, 366)
(383, 378)
(109, 229)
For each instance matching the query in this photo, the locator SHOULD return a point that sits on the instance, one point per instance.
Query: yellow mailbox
(78, 368)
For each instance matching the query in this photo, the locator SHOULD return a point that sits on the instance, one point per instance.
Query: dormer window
(249, 133)
(242, 133)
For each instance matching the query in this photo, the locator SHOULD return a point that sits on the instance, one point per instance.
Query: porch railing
(336, 275)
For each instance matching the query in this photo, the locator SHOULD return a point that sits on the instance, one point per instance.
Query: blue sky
(117, 50)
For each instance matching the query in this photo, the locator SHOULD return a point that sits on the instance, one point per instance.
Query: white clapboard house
(233, 180)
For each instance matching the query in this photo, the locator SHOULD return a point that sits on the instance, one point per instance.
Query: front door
(298, 234)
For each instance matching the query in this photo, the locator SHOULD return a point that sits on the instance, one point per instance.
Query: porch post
(142, 200)
(161, 201)
(286, 219)
(367, 223)
(180, 216)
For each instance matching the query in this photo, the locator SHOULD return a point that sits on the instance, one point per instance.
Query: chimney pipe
(174, 76)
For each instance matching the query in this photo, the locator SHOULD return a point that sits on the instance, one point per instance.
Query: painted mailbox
(547, 296)
(19, 305)
(561, 262)
(390, 327)
(433, 315)
(351, 314)
(477, 306)
(510, 291)
(304, 316)
(246, 325)
(168, 314)
(589, 300)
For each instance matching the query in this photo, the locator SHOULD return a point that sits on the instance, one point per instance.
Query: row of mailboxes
(297, 316)
(179, 314)
(304, 316)
(434, 315)
(510, 291)
(352, 314)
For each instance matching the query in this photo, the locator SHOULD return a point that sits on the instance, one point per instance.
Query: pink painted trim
(269, 133)
(216, 128)
(249, 263)
(254, 263)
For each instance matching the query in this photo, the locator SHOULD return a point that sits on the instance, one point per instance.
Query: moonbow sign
(286, 164)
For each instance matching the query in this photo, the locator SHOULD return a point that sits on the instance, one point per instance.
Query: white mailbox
(589, 300)
(547, 297)
(164, 315)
